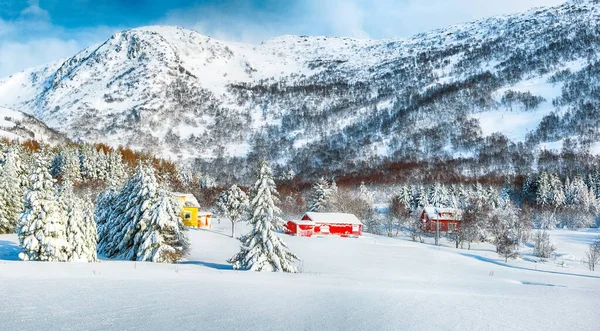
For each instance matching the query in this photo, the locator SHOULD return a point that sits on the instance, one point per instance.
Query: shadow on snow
(211, 265)
(502, 264)
(9, 251)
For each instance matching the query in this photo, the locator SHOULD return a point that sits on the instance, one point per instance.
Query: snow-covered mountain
(14, 125)
(314, 102)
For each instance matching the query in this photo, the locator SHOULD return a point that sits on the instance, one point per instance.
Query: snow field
(363, 283)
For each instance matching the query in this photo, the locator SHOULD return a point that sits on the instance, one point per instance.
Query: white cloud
(34, 11)
(17, 56)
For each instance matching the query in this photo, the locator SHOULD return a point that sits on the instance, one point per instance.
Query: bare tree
(593, 254)
(399, 214)
(472, 225)
(543, 247)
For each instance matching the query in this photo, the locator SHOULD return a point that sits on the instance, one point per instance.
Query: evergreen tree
(80, 225)
(262, 249)
(87, 160)
(544, 190)
(233, 204)
(163, 238)
(436, 195)
(42, 225)
(320, 196)
(422, 197)
(11, 192)
(405, 197)
(117, 172)
(140, 222)
(131, 209)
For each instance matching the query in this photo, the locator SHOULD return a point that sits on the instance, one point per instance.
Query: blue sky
(34, 32)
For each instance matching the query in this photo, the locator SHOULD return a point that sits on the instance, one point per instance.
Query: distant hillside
(14, 125)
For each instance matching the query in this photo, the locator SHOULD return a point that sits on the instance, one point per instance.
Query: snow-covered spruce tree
(11, 192)
(88, 161)
(130, 208)
(262, 249)
(233, 204)
(163, 239)
(66, 165)
(71, 168)
(140, 222)
(117, 172)
(80, 225)
(321, 193)
(42, 225)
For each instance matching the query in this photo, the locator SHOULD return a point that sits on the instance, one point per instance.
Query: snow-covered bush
(262, 249)
(593, 254)
(543, 248)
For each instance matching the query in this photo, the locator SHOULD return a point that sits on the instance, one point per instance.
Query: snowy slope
(15, 125)
(372, 282)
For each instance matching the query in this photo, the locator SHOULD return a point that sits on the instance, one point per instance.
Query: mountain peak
(314, 100)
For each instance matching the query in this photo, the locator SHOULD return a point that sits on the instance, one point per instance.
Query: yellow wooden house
(190, 213)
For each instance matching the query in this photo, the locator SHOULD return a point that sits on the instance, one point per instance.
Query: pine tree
(262, 249)
(11, 192)
(140, 221)
(434, 195)
(405, 197)
(163, 239)
(80, 225)
(88, 160)
(233, 204)
(320, 196)
(544, 190)
(42, 226)
(117, 172)
(119, 232)
(422, 197)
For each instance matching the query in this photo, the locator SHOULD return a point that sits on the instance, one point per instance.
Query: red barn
(448, 219)
(335, 223)
(301, 228)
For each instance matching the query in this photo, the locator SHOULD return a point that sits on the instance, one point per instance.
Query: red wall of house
(431, 226)
(305, 230)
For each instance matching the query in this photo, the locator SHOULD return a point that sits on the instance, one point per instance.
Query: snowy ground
(364, 283)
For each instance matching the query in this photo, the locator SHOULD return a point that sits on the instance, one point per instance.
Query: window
(187, 215)
(451, 227)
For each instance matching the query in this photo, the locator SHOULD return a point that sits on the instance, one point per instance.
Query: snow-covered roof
(439, 213)
(189, 199)
(333, 218)
(303, 222)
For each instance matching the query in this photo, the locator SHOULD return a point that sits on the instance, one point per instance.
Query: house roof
(439, 213)
(189, 200)
(333, 218)
(303, 222)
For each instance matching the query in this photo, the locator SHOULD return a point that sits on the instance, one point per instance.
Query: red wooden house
(325, 223)
(448, 219)
(301, 228)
